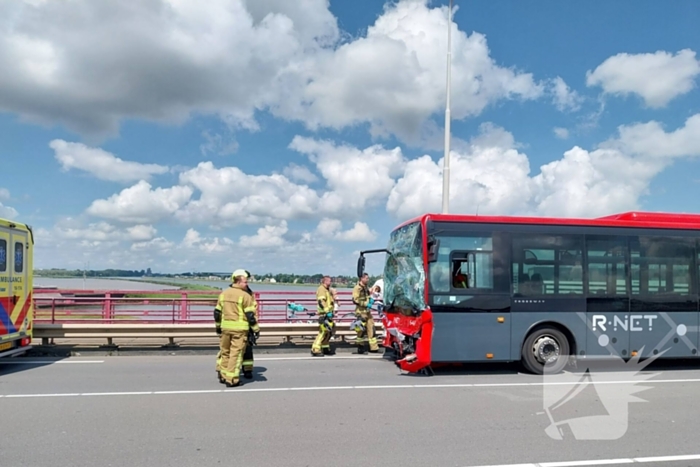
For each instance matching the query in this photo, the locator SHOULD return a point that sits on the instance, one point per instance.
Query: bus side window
(472, 270)
(545, 265)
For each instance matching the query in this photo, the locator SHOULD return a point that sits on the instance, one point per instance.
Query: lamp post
(446, 159)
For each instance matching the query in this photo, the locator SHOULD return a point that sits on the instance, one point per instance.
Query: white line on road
(336, 388)
(327, 359)
(47, 362)
(631, 460)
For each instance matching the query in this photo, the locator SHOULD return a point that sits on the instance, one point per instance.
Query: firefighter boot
(248, 374)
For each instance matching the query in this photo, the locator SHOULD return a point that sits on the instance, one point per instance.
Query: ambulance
(16, 271)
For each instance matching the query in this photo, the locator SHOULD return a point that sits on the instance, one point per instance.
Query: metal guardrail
(111, 331)
(171, 307)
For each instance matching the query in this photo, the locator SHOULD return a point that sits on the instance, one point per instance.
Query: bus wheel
(545, 350)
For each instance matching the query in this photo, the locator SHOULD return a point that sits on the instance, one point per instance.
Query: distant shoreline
(185, 284)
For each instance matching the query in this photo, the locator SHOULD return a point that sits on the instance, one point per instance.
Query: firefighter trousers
(232, 348)
(248, 361)
(218, 356)
(322, 343)
(367, 336)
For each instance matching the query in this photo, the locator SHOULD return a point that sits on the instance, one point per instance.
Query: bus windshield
(404, 275)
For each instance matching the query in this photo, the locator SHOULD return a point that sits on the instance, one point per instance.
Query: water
(275, 306)
(143, 284)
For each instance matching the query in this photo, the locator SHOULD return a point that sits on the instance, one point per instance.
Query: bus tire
(545, 349)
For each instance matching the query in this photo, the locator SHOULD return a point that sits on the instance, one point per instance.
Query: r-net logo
(593, 401)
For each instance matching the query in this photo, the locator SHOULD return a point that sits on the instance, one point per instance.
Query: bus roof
(633, 219)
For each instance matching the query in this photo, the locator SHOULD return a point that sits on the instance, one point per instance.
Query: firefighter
(326, 306)
(237, 312)
(365, 324)
(217, 319)
(248, 361)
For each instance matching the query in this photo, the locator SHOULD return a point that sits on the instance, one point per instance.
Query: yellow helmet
(239, 273)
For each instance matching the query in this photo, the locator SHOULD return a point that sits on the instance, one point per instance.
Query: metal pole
(446, 160)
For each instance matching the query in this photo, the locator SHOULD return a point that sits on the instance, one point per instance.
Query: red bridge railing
(185, 307)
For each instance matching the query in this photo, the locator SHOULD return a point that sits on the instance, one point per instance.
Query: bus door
(607, 301)
(5, 288)
(19, 274)
(472, 315)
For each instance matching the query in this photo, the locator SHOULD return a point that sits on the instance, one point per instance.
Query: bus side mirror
(433, 249)
(360, 266)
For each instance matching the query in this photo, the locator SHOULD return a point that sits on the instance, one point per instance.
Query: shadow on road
(258, 375)
(12, 365)
(600, 366)
(463, 369)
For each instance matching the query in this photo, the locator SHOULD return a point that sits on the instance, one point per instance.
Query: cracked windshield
(404, 273)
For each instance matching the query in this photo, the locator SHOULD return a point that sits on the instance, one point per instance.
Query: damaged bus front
(408, 320)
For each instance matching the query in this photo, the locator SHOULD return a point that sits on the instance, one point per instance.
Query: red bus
(541, 291)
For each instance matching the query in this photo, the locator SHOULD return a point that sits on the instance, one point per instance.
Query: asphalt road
(341, 411)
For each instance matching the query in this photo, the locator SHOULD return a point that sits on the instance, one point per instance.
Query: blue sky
(285, 136)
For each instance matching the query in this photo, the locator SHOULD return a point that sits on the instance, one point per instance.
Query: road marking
(631, 460)
(51, 362)
(391, 387)
(325, 359)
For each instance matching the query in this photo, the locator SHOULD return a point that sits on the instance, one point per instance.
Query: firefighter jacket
(234, 303)
(324, 299)
(360, 297)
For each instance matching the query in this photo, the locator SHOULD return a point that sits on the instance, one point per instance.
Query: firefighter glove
(217, 316)
(218, 330)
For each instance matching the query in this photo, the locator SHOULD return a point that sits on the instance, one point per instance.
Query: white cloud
(356, 179)
(561, 133)
(141, 232)
(650, 139)
(591, 183)
(165, 60)
(229, 196)
(74, 229)
(139, 204)
(158, 60)
(299, 173)
(657, 77)
(102, 164)
(489, 178)
(217, 144)
(332, 229)
(564, 97)
(6, 212)
(496, 179)
(160, 245)
(269, 236)
(194, 240)
(394, 77)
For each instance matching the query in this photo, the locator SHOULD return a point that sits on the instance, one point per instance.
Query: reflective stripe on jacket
(234, 302)
(324, 295)
(360, 297)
